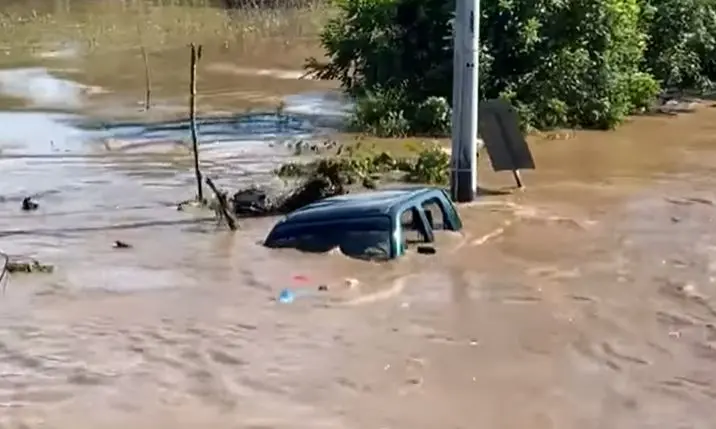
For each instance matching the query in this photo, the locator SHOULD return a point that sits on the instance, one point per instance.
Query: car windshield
(363, 238)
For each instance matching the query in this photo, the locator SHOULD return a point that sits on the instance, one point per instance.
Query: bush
(375, 44)
(390, 113)
(642, 88)
(431, 166)
(432, 117)
(681, 50)
(391, 55)
(381, 113)
(562, 64)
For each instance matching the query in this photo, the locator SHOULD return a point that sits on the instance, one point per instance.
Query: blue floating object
(286, 296)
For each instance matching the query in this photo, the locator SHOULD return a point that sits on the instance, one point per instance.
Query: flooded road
(586, 301)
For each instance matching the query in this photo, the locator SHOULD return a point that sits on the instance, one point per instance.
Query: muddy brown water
(586, 301)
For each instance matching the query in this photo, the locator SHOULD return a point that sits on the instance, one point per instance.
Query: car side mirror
(426, 250)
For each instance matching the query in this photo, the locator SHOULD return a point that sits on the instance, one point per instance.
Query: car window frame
(277, 234)
(451, 221)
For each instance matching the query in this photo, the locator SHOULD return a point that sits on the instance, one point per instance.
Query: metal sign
(500, 130)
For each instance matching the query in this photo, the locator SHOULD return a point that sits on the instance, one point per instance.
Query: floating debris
(191, 204)
(29, 205)
(31, 266)
(286, 296)
(122, 245)
(259, 201)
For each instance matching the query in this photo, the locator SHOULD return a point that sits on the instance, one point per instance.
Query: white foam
(246, 71)
(61, 52)
(325, 104)
(41, 88)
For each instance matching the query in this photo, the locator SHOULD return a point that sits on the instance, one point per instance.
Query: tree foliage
(681, 50)
(580, 63)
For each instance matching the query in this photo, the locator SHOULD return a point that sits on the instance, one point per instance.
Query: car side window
(412, 227)
(434, 213)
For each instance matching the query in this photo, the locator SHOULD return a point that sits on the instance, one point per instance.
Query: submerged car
(373, 225)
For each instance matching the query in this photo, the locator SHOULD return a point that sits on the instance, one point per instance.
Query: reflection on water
(585, 301)
(37, 133)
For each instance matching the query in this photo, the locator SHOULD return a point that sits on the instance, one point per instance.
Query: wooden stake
(223, 205)
(145, 58)
(147, 80)
(195, 56)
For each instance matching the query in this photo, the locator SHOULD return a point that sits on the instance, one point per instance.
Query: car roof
(375, 203)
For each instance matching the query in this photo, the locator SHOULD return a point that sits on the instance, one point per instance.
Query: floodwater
(588, 300)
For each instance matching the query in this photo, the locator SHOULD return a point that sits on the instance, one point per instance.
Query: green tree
(380, 44)
(561, 63)
(568, 63)
(681, 49)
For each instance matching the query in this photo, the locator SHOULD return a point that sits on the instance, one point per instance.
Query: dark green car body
(378, 222)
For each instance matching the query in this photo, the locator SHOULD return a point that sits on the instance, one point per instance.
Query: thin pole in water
(466, 64)
(195, 56)
(141, 20)
(147, 80)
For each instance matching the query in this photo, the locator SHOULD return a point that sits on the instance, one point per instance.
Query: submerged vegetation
(338, 174)
(427, 164)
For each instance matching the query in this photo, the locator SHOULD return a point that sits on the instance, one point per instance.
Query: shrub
(381, 113)
(681, 49)
(391, 54)
(431, 166)
(562, 64)
(432, 117)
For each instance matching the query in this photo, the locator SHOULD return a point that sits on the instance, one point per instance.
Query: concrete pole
(456, 98)
(466, 65)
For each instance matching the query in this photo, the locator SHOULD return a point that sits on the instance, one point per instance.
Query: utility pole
(466, 64)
